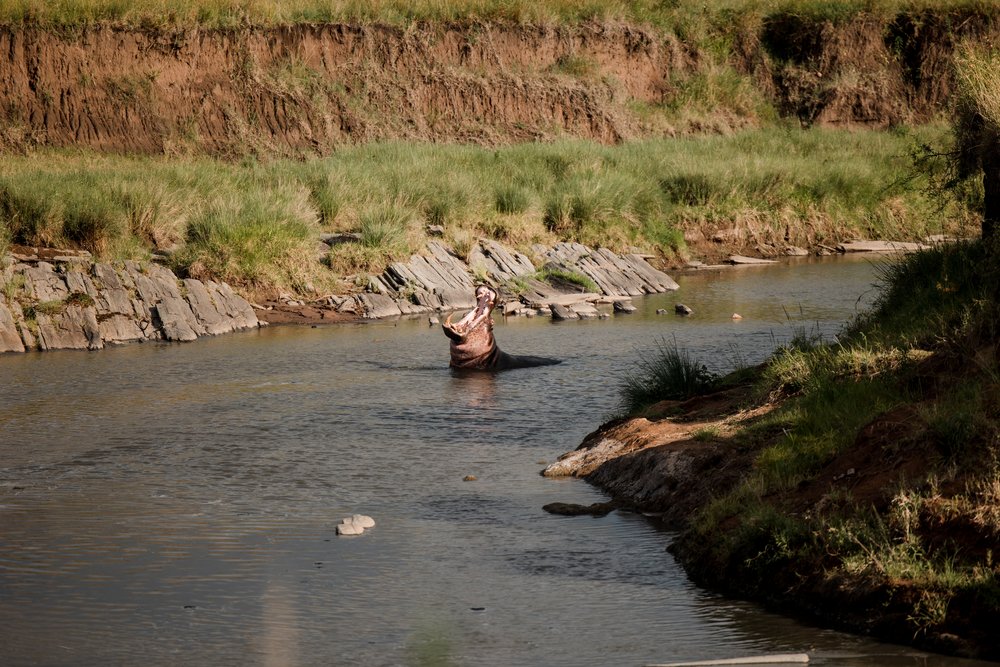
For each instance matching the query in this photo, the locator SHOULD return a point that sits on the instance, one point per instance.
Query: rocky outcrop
(439, 281)
(79, 304)
(616, 275)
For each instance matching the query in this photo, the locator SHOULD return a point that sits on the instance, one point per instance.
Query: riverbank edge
(698, 466)
(63, 299)
(523, 294)
(661, 465)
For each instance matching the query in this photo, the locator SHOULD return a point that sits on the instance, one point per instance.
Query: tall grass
(775, 186)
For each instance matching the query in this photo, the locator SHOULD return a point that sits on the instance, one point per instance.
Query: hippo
(472, 344)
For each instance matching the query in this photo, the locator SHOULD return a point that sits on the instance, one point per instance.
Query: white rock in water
(362, 521)
(349, 529)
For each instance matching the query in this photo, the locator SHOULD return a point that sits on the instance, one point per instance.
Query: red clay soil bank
(307, 88)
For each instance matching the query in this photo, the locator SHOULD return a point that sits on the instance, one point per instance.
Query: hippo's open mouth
(486, 298)
(472, 344)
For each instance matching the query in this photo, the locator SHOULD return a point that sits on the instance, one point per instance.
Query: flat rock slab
(740, 260)
(500, 263)
(44, 284)
(880, 246)
(561, 312)
(375, 306)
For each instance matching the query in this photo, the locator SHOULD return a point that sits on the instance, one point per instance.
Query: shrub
(94, 222)
(688, 189)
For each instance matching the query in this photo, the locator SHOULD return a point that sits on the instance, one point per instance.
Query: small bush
(557, 216)
(94, 222)
(251, 245)
(437, 210)
(154, 216)
(669, 373)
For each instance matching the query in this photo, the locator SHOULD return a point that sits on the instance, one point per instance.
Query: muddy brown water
(168, 504)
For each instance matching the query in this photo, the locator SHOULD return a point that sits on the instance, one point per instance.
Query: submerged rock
(573, 509)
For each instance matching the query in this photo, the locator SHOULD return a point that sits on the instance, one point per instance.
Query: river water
(169, 504)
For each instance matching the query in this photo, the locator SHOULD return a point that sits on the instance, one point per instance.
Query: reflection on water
(169, 503)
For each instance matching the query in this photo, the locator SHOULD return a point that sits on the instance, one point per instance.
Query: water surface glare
(162, 504)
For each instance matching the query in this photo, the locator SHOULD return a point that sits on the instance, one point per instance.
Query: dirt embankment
(680, 456)
(307, 88)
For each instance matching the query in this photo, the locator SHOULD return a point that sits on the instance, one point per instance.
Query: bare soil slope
(306, 88)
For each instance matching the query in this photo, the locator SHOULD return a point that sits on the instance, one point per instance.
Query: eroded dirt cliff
(307, 88)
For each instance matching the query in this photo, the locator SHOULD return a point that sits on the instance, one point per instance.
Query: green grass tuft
(511, 200)
(668, 373)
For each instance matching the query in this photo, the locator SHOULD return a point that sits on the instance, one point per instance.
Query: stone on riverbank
(355, 524)
(880, 246)
(72, 303)
(740, 260)
(561, 312)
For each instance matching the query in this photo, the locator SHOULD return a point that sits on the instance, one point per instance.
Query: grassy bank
(257, 224)
(872, 500)
(717, 15)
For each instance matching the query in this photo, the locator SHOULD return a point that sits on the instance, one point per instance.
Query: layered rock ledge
(440, 281)
(71, 302)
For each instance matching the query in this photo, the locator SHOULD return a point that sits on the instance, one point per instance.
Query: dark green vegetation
(977, 127)
(873, 500)
(257, 224)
